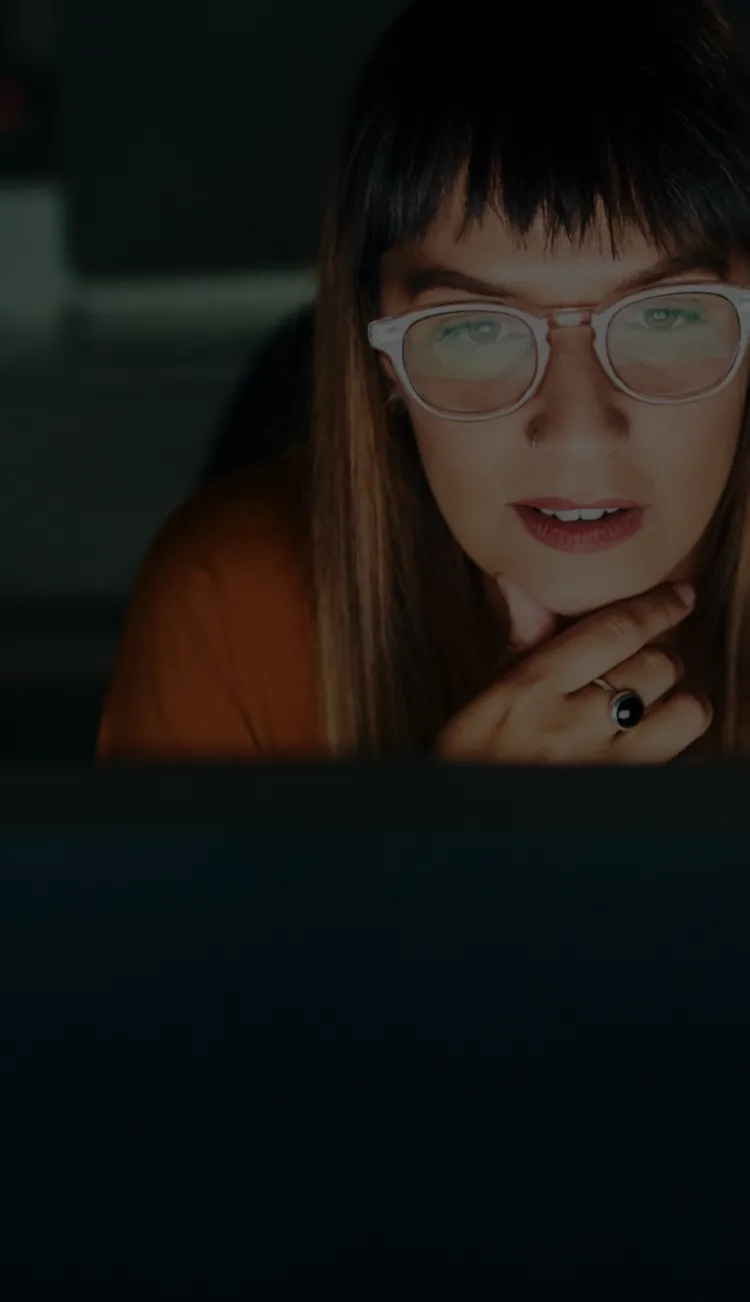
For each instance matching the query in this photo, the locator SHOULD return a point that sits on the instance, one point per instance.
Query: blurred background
(163, 170)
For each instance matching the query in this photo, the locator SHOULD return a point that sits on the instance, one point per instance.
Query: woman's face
(593, 442)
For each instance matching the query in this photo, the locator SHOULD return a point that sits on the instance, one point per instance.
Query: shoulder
(217, 656)
(245, 527)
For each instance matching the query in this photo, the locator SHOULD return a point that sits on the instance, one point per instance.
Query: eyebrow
(436, 276)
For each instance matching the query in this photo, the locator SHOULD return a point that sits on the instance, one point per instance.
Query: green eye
(671, 316)
(476, 331)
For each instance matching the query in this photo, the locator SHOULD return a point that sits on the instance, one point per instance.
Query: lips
(581, 535)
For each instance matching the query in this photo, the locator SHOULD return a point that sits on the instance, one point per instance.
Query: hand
(548, 710)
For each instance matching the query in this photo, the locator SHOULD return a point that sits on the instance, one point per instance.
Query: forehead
(534, 267)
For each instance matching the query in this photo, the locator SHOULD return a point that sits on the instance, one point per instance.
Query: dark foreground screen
(377, 1024)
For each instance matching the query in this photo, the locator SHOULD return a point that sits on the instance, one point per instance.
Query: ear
(392, 381)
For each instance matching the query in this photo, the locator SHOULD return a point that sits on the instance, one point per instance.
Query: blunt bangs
(642, 115)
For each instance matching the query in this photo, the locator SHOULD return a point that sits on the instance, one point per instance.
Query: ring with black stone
(626, 707)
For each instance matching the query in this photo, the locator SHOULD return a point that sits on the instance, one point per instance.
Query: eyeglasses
(473, 361)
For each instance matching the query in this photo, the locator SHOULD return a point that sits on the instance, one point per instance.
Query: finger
(651, 673)
(598, 644)
(530, 623)
(665, 733)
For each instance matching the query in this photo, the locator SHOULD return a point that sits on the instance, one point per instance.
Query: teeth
(580, 515)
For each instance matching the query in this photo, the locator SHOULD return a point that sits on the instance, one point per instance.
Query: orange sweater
(217, 659)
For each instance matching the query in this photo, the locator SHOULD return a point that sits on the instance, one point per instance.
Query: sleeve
(175, 693)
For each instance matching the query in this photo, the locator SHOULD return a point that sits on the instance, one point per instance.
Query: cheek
(691, 460)
(471, 470)
(462, 462)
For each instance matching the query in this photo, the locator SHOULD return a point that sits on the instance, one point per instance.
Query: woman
(531, 368)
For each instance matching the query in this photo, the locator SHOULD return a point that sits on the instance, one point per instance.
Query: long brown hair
(646, 116)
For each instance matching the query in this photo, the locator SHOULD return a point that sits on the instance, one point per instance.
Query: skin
(594, 441)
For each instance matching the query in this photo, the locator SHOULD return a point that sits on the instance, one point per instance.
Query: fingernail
(686, 593)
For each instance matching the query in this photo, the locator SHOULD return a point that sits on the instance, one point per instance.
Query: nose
(576, 413)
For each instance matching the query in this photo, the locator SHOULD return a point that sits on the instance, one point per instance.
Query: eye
(670, 318)
(477, 332)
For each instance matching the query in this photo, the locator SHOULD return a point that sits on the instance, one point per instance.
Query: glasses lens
(674, 346)
(470, 362)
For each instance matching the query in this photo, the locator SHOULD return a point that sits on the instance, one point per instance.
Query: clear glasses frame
(387, 335)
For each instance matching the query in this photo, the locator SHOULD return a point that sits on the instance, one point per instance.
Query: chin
(576, 601)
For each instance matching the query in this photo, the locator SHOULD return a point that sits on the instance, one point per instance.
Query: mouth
(581, 526)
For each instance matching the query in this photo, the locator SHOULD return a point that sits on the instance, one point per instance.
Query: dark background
(163, 170)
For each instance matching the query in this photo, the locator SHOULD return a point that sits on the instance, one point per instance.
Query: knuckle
(659, 664)
(670, 610)
(622, 626)
(678, 664)
(659, 611)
